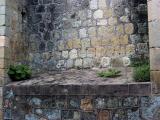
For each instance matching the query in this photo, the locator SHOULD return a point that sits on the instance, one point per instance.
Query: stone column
(154, 40)
(4, 49)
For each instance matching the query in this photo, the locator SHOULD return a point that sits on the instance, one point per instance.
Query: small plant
(111, 73)
(142, 73)
(19, 72)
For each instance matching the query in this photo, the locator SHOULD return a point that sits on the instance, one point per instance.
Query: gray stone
(135, 38)
(93, 4)
(78, 63)
(83, 33)
(70, 63)
(2, 2)
(102, 22)
(2, 20)
(2, 10)
(85, 43)
(65, 54)
(87, 62)
(98, 14)
(124, 19)
(105, 62)
(73, 54)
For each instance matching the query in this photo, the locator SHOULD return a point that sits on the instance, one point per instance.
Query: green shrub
(19, 72)
(111, 73)
(142, 73)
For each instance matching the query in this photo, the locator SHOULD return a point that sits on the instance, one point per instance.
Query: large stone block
(2, 30)
(155, 77)
(155, 58)
(3, 63)
(4, 52)
(153, 7)
(2, 10)
(2, 2)
(4, 41)
(154, 36)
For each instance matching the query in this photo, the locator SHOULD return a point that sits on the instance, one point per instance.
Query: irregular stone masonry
(82, 30)
(35, 103)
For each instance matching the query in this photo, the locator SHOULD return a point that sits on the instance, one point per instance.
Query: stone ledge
(135, 89)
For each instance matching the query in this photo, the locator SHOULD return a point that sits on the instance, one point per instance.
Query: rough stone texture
(86, 102)
(154, 42)
(93, 28)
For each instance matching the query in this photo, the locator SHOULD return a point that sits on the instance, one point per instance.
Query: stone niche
(64, 34)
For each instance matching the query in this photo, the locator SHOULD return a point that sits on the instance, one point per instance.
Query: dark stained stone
(40, 9)
(36, 18)
(41, 27)
(47, 36)
(50, 46)
(42, 46)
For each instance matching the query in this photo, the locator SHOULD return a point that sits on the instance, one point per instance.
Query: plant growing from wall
(19, 72)
(111, 73)
(142, 73)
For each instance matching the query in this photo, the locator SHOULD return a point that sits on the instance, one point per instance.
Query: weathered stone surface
(78, 63)
(86, 43)
(98, 14)
(92, 32)
(103, 115)
(83, 33)
(65, 54)
(94, 4)
(112, 21)
(154, 58)
(102, 22)
(86, 104)
(94, 29)
(129, 28)
(87, 62)
(73, 54)
(70, 63)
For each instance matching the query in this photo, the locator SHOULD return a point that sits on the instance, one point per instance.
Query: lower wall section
(80, 107)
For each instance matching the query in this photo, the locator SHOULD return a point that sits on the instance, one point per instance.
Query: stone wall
(63, 34)
(81, 103)
(12, 44)
(154, 26)
(11, 41)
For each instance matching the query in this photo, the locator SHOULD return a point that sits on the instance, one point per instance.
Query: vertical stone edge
(4, 51)
(154, 40)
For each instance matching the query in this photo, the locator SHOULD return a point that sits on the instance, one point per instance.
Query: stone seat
(77, 82)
